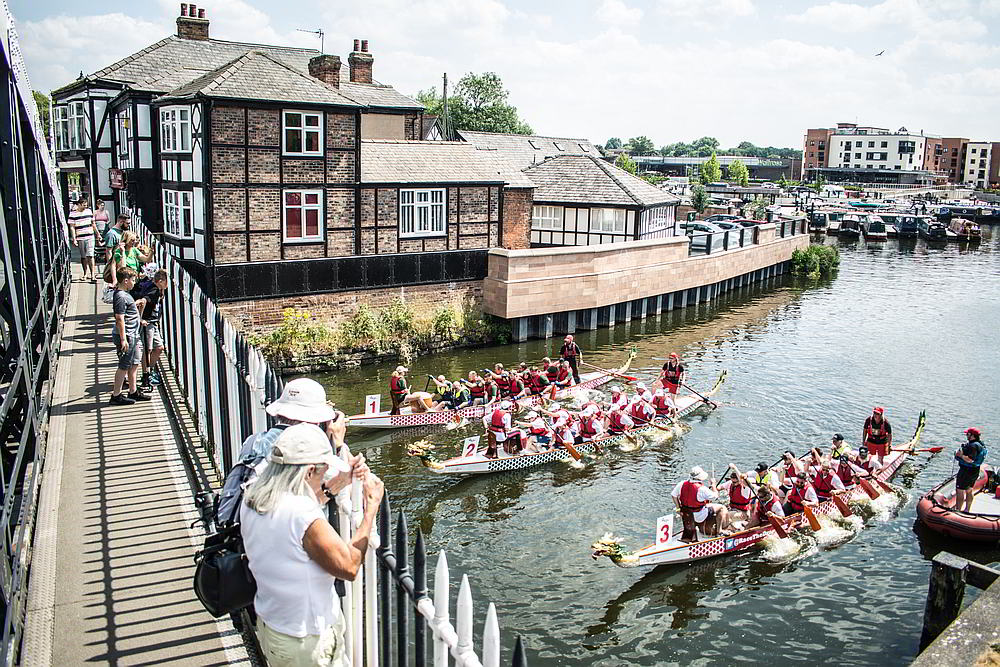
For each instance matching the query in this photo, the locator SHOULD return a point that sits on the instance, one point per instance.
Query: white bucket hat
(304, 444)
(699, 473)
(303, 400)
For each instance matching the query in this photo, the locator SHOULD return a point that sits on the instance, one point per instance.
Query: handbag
(223, 581)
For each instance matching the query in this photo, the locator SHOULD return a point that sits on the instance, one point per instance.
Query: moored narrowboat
(850, 227)
(873, 228)
(932, 230)
(966, 230)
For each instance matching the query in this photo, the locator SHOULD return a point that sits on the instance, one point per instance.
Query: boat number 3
(664, 526)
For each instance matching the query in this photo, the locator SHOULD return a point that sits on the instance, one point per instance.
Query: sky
(673, 70)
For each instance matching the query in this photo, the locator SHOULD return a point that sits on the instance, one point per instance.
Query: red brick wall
(261, 315)
(517, 205)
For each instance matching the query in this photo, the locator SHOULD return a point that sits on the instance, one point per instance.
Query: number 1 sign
(664, 526)
(372, 404)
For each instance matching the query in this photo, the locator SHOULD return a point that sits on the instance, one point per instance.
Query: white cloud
(707, 10)
(617, 13)
(990, 7)
(913, 16)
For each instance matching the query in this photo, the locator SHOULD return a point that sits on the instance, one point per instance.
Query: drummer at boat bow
(571, 352)
(692, 497)
(672, 375)
(877, 434)
(970, 457)
(802, 493)
(400, 394)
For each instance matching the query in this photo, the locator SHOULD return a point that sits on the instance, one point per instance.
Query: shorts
(966, 478)
(86, 246)
(132, 356)
(878, 450)
(326, 649)
(154, 339)
(543, 439)
(670, 387)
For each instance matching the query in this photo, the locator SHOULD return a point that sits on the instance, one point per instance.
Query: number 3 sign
(664, 526)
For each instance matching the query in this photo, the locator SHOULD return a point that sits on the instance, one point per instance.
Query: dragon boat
(477, 462)
(407, 417)
(669, 549)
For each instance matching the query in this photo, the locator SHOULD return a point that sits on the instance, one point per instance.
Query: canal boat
(407, 417)
(873, 228)
(982, 524)
(966, 231)
(850, 227)
(931, 230)
(669, 549)
(976, 213)
(906, 225)
(476, 462)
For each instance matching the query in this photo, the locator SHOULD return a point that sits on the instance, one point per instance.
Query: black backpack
(222, 577)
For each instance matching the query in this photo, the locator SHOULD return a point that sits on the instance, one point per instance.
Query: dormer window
(175, 130)
(302, 133)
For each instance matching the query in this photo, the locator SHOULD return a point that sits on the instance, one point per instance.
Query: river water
(905, 325)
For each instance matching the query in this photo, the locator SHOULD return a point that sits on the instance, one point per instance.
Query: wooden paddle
(614, 373)
(573, 451)
(811, 516)
(777, 525)
(842, 505)
(885, 486)
(929, 450)
(655, 425)
(703, 398)
(869, 489)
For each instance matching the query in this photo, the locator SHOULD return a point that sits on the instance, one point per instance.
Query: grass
(815, 261)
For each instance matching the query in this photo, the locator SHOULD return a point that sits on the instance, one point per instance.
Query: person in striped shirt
(83, 233)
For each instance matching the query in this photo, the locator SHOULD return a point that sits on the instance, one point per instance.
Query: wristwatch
(329, 494)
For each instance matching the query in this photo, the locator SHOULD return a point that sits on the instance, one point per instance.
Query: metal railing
(34, 280)
(704, 243)
(792, 227)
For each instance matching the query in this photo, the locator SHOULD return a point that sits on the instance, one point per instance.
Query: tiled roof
(525, 150)
(256, 75)
(173, 62)
(396, 161)
(585, 179)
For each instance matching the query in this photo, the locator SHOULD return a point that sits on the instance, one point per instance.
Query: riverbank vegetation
(815, 261)
(396, 331)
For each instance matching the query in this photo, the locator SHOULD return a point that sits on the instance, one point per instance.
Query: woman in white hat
(294, 553)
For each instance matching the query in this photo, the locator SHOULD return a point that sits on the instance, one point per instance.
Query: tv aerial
(318, 32)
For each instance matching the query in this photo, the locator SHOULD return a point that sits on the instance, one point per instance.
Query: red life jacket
(615, 424)
(868, 466)
(672, 374)
(587, 428)
(516, 386)
(689, 496)
(845, 473)
(764, 508)
(661, 405)
(638, 412)
(497, 421)
(552, 373)
(796, 496)
(878, 435)
(791, 472)
(537, 382)
(739, 497)
(477, 390)
(563, 374)
(823, 483)
(503, 385)
(538, 431)
(397, 385)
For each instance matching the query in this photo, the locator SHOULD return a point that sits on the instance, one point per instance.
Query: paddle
(777, 525)
(811, 516)
(629, 378)
(842, 505)
(929, 450)
(869, 489)
(713, 404)
(655, 425)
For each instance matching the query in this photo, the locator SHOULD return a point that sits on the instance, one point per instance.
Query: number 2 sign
(372, 404)
(470, 446)
(664, 527)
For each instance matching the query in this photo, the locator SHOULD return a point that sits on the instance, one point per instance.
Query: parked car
(702, 233)
(727, 224)
(720, 216)
(747, 222)
(768, 184)
(718, 185)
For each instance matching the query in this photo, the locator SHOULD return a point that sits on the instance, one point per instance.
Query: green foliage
(758, 209)
(640, 146)
(738, 173)
(653, 178)
(854, 188)
(623, 161)
(479, 103)
(711, 172)
(699, 199)
(612, 143)
(782, 183)
(705, 146)
(818, 184)
(298, 334)
(815, 261)
(42, 102)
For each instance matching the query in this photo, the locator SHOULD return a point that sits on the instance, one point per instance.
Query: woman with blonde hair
(129, 254)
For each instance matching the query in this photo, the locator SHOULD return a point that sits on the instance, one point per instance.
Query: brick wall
(228, 164)
(230, 248)
(264, 127)
(517, 203)
(414, 126)
(261, 315)
(340, 130)
(228, 125)
(263, 165)
(301, 170)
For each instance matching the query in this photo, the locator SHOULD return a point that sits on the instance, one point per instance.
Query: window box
(302, 216)
(607, 220)
(177, 214)
(547, 217)
(421, 213)
(175, 130)
(301, 133)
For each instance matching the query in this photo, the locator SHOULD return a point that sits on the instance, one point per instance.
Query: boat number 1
(664, 526)
(372, 404)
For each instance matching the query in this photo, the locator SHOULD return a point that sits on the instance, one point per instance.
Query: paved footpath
(112, 555)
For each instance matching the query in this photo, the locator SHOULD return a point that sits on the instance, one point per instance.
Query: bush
(815, 261)
(298, 334)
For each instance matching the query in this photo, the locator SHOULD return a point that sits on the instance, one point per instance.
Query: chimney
(192, 24)
(360, 62)
(326, 69)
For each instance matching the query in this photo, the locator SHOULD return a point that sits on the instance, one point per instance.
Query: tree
(640, 146)
(699, 199)
(739, 173)
(479, 103)
(818, 185)
(704, 146)
(623, 161)
(711, 172)
(758, 209)
(42, 102)
(782, 182)
(613, 143)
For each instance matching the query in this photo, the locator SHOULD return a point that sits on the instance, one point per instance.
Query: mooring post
(944, 595)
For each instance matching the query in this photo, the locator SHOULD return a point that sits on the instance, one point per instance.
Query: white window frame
(549, 218)
(125, 132)
(303, 130)
(175, 204)
(60, 121)
(320, 217)
(70, 135)
(423, 213)
(598, 223)
(175, 131)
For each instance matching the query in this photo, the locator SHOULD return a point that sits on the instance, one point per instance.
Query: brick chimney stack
(360, 62)
(326, 69)
(192, 24)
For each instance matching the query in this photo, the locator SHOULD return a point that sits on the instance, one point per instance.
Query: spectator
(83, 233)
(130, 254)
(294, 553)
(126, 338)
(113, 236)
(101, 218)
(150, 301)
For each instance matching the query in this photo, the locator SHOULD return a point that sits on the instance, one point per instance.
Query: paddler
(619, 422)
(501, 378)
(793, 467)
(492, 390)
(663, 403)
(764, 476)
(591, 428)
(799, 495)
(877, 434)
(692, 498)
(559, 415)
(640, 411)
(672, 374)
(826, 482)
(516, 387)
(546, 364)
(551, 371)
(845, 471)
(970, 457)
(539, 434)
(461, 395)
(838, 447)
(767, 504)
(537, 382)
(741, 495)
(477, 388)
(642, 392)
(572, 353)
(500, 431)
(618, 400)
(867, 462)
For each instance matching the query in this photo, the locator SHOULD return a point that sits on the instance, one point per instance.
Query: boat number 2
(470, 445)
(372, 403)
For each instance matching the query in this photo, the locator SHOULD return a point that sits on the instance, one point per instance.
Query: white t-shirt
(621, 402)
(646, 395)
(704, 495)
(488, 421)
(294, 594)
